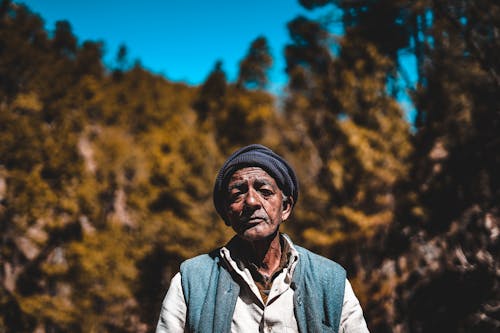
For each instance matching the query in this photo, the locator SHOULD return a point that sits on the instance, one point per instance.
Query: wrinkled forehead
(251, 174)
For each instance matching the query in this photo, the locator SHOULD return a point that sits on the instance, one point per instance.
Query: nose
(252, 199)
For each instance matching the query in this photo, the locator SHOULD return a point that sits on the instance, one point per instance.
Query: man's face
(255, 206)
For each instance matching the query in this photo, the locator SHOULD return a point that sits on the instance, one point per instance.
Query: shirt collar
(236, 256)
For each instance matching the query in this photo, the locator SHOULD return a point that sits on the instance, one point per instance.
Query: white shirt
(250, 313)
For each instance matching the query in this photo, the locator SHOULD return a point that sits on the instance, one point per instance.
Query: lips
(249, 222)
(253, 219)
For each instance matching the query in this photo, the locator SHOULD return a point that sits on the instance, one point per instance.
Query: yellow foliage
(46, 307)
(316, 237)
(374, 153)
(29, 102)
(367, 223)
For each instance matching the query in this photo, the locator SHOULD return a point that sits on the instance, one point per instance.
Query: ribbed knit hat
(258, 156)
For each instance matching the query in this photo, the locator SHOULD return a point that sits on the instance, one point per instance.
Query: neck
(266, 253)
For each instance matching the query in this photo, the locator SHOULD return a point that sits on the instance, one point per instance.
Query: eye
(234, 195)
(266, 192)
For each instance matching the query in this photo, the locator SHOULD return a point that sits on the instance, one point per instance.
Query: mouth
(256, 219)
(249, 222)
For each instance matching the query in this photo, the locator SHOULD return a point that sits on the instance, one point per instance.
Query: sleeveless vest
(211, 293)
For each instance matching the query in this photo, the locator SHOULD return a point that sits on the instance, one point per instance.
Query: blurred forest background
(106, 173)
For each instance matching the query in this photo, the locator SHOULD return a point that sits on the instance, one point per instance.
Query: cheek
(274, 212)
(233, 209)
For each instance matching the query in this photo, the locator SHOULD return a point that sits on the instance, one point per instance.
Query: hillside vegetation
(106, 174)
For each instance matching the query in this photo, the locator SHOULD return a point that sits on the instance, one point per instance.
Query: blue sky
(180, 39)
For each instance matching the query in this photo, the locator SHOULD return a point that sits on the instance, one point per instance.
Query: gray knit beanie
(258, 156)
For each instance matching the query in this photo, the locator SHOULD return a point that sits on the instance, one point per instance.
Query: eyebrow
(259, 181)
(264, 182)
(236, 185)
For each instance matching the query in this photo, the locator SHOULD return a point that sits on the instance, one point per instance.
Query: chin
(257, 236)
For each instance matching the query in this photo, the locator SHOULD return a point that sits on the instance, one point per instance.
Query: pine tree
(254, 67)
(211, 98)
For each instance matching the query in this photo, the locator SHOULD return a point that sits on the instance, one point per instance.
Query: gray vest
(211, 293)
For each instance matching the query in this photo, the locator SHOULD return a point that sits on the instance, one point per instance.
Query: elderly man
(260, 281)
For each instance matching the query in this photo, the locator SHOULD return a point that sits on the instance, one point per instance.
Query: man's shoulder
(201, 261)
(317, 261)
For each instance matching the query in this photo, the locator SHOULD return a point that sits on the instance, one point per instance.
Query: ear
(287, 208)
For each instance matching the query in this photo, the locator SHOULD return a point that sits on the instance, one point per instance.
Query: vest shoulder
(317, 260)
(201, 261)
